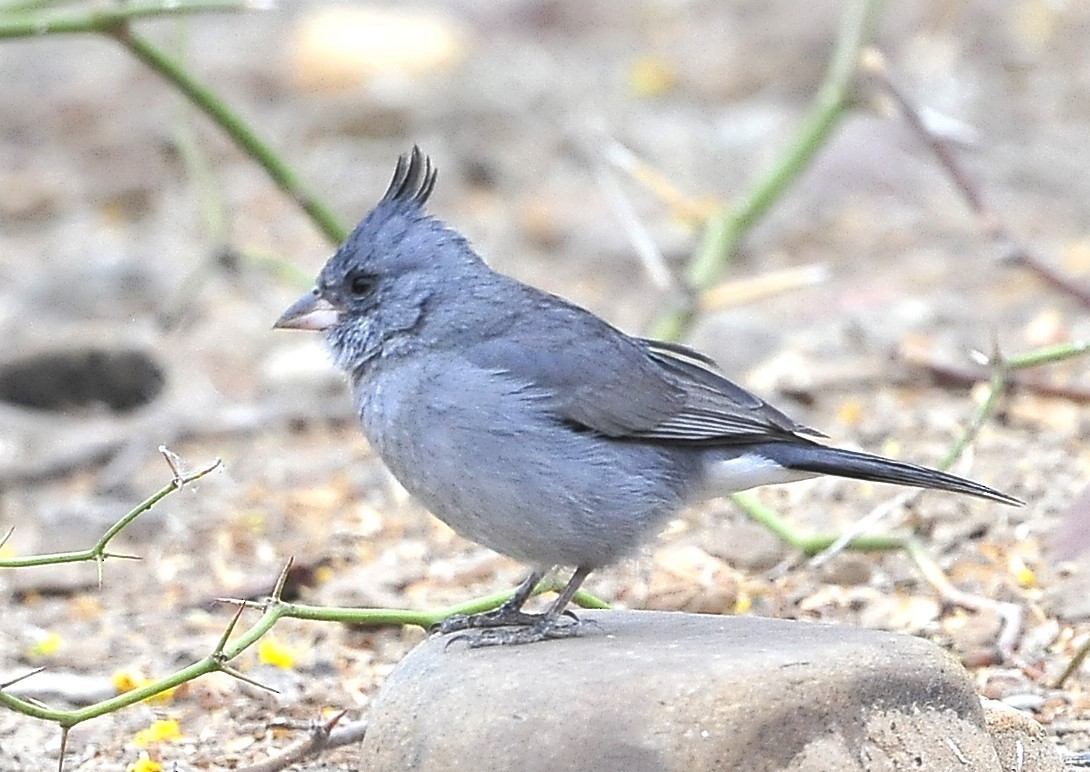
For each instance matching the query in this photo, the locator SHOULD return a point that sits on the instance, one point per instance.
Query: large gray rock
(671, 691)
(1019, 740)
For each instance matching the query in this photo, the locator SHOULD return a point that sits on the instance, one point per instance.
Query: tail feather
(838, 462)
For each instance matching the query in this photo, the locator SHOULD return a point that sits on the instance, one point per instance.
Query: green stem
(811, 544)
(1047, 355)
(284, 270)
(17, 22)
(236, 128)
(1001, 369)
(674, 324)
(212, 663)
(209, 195)
(98, 551)
(726, 228)
(996, 386)
(114, 21)
(1073, 666)
(424, 619)
(22, 6)
(225, 652)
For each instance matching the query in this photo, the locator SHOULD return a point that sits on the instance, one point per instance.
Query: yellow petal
(144, 764)
(163, 730)
(272, 652)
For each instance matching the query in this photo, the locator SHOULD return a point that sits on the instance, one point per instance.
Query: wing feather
(625, 387)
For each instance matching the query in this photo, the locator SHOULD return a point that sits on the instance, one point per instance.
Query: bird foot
(499, 617)
(542, 629)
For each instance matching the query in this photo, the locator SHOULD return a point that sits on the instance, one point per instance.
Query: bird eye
(361, 284)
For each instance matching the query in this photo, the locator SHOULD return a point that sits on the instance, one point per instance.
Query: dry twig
(321, 736)
(1010, 249)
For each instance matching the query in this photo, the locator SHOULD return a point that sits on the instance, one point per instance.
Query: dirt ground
(106, 247)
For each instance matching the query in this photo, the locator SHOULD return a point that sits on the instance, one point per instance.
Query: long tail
(820, 459)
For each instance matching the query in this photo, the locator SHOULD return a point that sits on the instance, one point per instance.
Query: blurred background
(144, 257)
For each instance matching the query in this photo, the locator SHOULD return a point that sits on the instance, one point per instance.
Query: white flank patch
(748, 471)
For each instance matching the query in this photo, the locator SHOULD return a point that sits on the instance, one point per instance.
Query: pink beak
(310, 312)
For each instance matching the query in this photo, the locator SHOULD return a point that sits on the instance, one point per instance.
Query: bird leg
(507, 613)
(522, 628)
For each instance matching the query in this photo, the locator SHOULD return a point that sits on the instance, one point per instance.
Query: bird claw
(500, 617)
(543, 629)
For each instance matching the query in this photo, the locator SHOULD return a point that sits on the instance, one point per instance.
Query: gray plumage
(529, 424)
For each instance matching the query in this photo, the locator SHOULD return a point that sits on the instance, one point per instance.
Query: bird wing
(715, 408)
(597, 378)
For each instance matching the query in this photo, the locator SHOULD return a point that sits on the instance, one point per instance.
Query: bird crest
(414, 178)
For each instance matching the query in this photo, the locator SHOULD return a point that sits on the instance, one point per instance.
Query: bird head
(378, 283)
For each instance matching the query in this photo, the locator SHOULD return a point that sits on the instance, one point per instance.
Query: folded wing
(599, 379)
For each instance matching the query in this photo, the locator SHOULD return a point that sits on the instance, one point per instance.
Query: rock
(743, 544)
(1019, 740)
(76, 396)
(119, 379)
(107, 288)
(52, 686)
(671, 691)
(848, 569)
(1069, 596)
(301, 373)
(345, 47)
